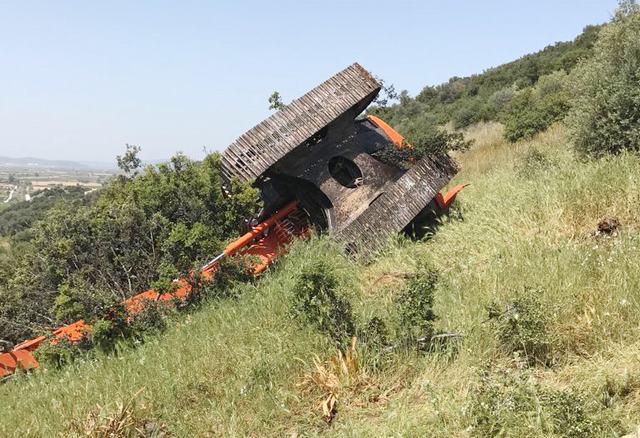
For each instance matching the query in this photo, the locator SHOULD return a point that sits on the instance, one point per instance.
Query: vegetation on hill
(544, 305)
(19, 217)
(527, 94)
(140, 231)
(605, 115)
(516, 316)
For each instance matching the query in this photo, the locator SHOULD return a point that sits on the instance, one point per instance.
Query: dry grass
(332, 378)
(126, 420)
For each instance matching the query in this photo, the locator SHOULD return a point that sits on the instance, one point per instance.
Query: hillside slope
(546, 306)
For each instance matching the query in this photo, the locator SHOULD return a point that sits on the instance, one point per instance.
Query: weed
(375, 335)
(340, 373)
(126, 420)
(533, 162)
(505, 400)
(523, 327)
(318, 300)
(575, 415)
(61, 353)
(414, 307)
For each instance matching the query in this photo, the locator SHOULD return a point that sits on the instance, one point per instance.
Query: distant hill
(41, 163)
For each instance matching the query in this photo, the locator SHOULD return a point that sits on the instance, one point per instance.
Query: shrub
(78, 300)
(60, 354)
(605, 115)
(498, 102)
(107, 332)
(426, 138)
(534, 109)
(232, 272)
(509, 402)
(318, 301)
(575, 415)
(532, 162)
(523, 327)
(503, 401)
(471, 111)
(414, 307)
(375, 335)
(140, 231)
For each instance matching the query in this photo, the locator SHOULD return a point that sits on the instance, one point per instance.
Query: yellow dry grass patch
(333, 378)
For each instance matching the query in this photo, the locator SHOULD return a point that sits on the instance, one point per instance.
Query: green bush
(509, 402)
(534, 109)
(60, 354)
(141, 231)
(523, 327)
(426, 138)
(499, 101)
(375, 334)
(318, 300)
(576, 415)
(502, 404)
(470, 112)
(605, 115)
(414, 308)
(533, 162)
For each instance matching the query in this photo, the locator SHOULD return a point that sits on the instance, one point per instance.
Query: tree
(605, 115)
(84, 257)
(387, 94)
(130, 162)
(275, 101)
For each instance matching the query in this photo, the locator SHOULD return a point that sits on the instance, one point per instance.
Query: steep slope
(525, 232)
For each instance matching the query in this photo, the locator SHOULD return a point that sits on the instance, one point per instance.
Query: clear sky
(79, 79)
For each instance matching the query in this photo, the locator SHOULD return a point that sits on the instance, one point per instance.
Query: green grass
(523, 228)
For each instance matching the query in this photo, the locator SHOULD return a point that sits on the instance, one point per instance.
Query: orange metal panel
(30, 344)
(445, 201)
(8, 364)
(395, 137)
(25, 360)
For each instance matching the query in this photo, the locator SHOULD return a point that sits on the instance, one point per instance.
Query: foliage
(425, 138)
(502, 401)
(511, 400)
(59, 354)
(318, 300)
(140, 230)
(605, 116)
(130, 163)
(534, 109)
(532, 162)
(232, 367)
(523, 327)
(275, 101)
(484, 96)
(414, 306)
(20, 216)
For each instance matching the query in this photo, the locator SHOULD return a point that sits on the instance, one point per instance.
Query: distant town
(23, 178)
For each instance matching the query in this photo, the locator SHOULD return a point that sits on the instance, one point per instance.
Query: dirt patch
(608, 227)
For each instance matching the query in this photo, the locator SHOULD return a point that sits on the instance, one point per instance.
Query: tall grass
(524, 228)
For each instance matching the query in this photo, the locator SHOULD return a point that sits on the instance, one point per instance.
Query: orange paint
(445, 201)
(395, 137)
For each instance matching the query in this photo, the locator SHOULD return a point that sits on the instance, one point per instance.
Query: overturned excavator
(320, 153)
(316, 164)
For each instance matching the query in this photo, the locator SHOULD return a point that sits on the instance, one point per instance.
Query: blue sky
(79, 79)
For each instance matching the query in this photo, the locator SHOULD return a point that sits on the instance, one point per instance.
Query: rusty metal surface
(260, 147)
(397, 207)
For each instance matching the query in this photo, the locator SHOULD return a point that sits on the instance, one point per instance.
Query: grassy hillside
(546, 306)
